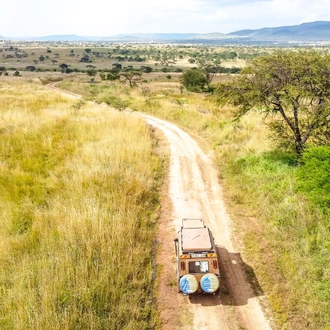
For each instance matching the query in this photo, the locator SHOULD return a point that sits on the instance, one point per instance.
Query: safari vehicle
(197, 266)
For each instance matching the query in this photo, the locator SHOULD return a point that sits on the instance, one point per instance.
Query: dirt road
(194, 192)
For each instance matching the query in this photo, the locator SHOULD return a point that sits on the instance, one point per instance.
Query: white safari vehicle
(197, 266)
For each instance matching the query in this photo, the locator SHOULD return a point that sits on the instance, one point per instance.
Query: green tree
(64, 66)
(30, 68)
(117, 66)
(209, 68)
(91, 73)
(131, 77)
(112, 76)
(292, 89)
(146, 69)
(85, 59)
(194, 80)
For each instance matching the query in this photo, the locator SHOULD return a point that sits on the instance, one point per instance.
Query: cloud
(104, 18)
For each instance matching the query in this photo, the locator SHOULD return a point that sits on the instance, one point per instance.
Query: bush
(194, 80)
(115, 102)
(314, 175)
(30, 68)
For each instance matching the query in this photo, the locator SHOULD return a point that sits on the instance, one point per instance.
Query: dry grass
(78, 209)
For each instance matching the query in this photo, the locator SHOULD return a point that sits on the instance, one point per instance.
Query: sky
(36, 18)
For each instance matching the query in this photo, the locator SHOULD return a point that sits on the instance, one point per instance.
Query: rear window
(198, 267)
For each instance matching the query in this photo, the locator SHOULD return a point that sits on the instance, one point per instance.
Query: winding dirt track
(194, 192)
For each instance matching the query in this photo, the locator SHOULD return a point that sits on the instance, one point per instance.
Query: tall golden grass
(78, 205)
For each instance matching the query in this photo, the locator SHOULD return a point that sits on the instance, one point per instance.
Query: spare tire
(188, 284)
(210, 283)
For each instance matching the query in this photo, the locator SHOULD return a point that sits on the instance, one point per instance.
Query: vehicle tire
(210, 283)
(188, 284)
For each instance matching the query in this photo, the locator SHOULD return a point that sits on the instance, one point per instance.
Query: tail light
(215, 264)
(183, 265)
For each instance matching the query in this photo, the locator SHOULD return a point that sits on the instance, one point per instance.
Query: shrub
(314, 175)
(194, 80)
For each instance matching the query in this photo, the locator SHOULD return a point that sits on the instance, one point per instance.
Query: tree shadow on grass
(285, 158)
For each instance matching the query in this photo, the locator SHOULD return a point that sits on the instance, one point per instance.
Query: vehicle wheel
(188, 284)
(210, 283)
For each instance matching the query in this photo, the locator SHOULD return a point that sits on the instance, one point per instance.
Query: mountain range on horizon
(318, 31)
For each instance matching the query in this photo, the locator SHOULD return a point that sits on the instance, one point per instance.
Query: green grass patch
(293, 255)
(314, 176)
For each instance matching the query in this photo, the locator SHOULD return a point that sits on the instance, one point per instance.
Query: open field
(93, 56)
(77, 223)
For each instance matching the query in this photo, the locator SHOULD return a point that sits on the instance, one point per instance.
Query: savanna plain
(82, 182)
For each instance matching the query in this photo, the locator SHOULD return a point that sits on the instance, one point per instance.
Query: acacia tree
(209, 68)
(291, 86)
(131, 77)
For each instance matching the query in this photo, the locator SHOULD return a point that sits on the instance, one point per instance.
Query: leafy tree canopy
(131, 77)
(64, 66)
(209, 68)
(194, 80)
(293, 87)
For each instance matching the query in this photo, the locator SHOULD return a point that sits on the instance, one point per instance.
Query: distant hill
(306, 32)
(211, 36)
(154, 36)
(65, 37)
(134, 37)
(314, 31)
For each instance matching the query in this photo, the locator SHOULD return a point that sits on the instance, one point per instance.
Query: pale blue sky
(37, 18)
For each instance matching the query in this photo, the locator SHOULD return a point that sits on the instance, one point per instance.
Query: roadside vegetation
(280, 206)
(79, 204)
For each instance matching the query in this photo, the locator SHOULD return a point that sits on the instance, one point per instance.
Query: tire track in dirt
(195, 192)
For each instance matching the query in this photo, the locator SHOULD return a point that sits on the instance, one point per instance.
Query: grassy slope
(77, 221)
(285, 240)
